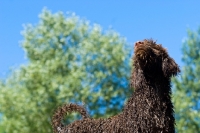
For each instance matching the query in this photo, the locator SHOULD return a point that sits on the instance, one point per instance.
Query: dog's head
(154, 60)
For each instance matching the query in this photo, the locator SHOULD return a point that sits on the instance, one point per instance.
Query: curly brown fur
(61, 112)
(149, 110)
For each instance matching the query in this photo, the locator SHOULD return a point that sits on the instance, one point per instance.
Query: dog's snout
(138, 43)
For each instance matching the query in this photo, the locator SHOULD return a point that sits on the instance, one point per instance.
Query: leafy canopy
(187, 93)
(68, 61)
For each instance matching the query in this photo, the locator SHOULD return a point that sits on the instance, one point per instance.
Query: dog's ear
(169, 67)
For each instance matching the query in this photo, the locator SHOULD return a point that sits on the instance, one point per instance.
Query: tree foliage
(187, 93)
(68, 61)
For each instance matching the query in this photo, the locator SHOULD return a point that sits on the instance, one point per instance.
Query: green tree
(187, 93)
(68, 61)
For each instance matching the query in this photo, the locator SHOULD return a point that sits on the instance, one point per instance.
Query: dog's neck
(150, 103)
(142, 80)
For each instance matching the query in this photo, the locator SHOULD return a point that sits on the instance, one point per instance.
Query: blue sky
(165, 21)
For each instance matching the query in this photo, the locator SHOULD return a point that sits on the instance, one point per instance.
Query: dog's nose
(138, 43)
